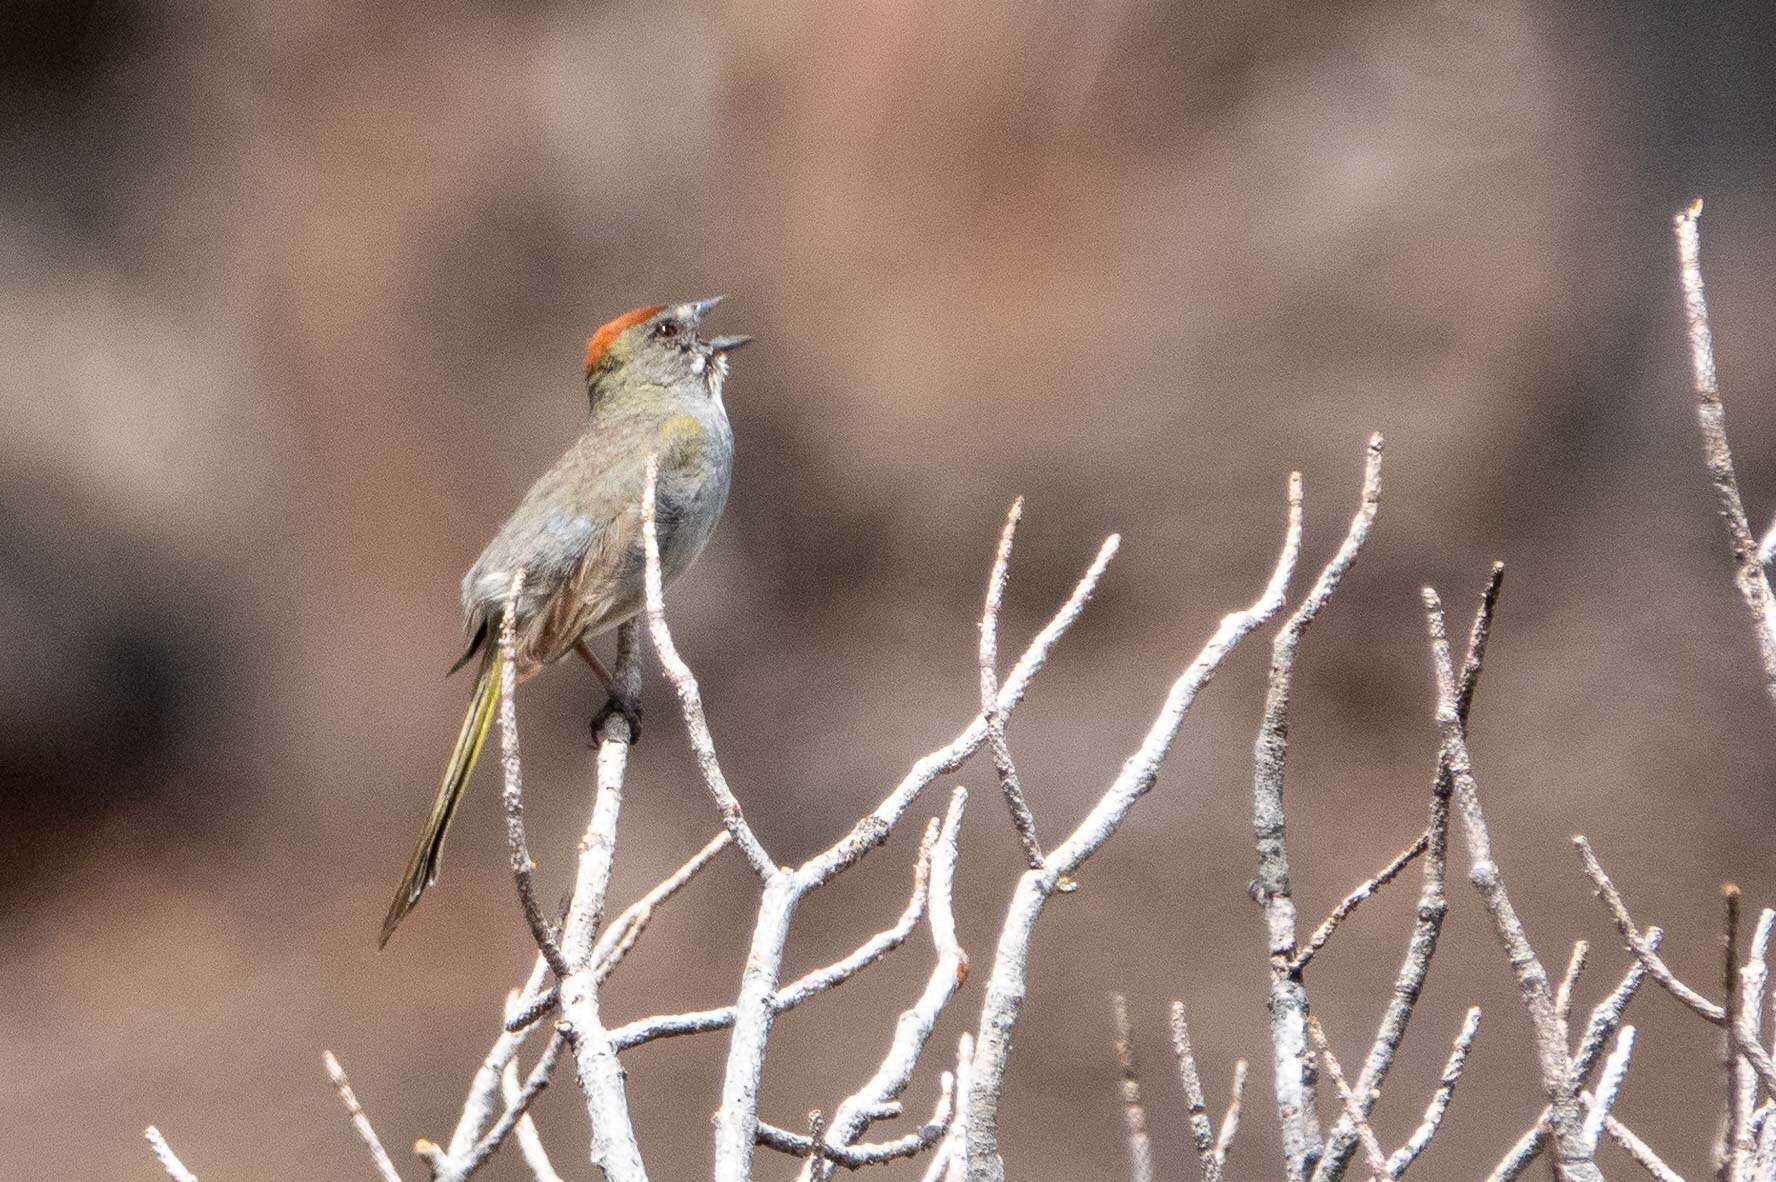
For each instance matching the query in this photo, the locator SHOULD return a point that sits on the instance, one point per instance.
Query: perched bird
(655, 389)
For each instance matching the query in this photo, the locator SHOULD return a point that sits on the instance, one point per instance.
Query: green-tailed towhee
(655, 389)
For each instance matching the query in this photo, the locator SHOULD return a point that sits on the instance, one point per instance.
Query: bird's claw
(615, 707)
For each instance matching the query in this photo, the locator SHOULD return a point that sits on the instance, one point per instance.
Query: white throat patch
(715, 375)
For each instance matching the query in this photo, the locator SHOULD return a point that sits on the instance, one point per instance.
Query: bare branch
(1637, 944)
(1378, 1161)
(1433, 1117)
(1433, 904)
(1009, 979)
(873, 830)
(951, 1158)
(613, 1149)
(1134, 1116)
(736, 1118)
(855, 1157)
(530, 1144)
(1753, 582)
(1230, 1120)
(1754, 979)
(1563, 997)
(1639, 1151)
(1292, 1066)
(523, 868)
(620, 938)
(1606, 1016)
(1552, 1056)
(169, 1161)
(1763, 1162)
(1201, 1132)
(1007, 982)
(1737, 1109)
(1753, 1051)
(879, 945)
(1615, 1070)
(1357, 897)
(914, 1028)
(484, 1087)
(810, 984)
(385, 1169)
(516, 1108)
(690, 697)
(1021, 818)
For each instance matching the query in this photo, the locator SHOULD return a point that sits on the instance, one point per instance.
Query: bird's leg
(604, 678)
(615, 702)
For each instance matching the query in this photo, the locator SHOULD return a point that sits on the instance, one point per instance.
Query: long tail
(422, 871)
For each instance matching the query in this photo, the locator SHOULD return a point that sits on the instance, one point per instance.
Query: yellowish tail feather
(422, 871)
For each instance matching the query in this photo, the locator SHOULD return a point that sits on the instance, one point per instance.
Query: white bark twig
(1292, 1065)
(1637, 944)
(1439, 1104)
(517, 1107)
(620, 938)
(613, 1148)
(1754, 980)
(690, 697)
(1606, 1015)
(817, 1147)
(1202, 1133)
(809, 985)
(1433, 904)
(1230, 1119)
(1022, 819)
(1569, 981)
(523, 867)
(1763, 1162)
(736, 1120)
(1573, 1160)
(169, 1161)
(385, 1169)
(1294, 1077)
(1609, 1085)
(1378, 1161)
(1605, 1018)
(484, 1087)
(1357, 898)
(951, 1158)
(1009, 980)
(1753, 1052)
(1639, 1150)
(1752, 579)
(530, 1144)
(1134, 1115)
(855, 1114)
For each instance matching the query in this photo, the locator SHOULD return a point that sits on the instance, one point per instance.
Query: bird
(653, 389)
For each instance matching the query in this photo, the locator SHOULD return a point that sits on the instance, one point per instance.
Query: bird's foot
(616, 707)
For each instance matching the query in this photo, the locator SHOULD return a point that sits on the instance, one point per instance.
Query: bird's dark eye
(666, 329)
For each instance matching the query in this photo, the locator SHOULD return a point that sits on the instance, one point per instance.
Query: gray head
(659, 346)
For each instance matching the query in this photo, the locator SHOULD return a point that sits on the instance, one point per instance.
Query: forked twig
(1292, 1066)
(1752, 579)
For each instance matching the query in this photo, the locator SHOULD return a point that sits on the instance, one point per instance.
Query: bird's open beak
(726, 344)
(695, 310)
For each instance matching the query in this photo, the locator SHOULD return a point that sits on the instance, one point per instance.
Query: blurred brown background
(292, 302)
